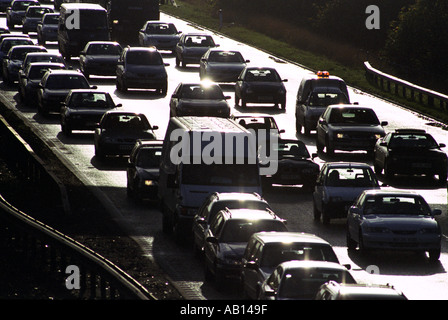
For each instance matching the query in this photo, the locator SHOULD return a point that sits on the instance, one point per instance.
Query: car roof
(305, 264)
(124, 112)
(88, 91)
(287, 237)
(65, 71)
(366, 289)
(342, 164)
(250, 214)
(152, 49)
(150, 142)
(391, 192)
(197, 34)
(52, 54)
(240, 196)
(46, 64)
(103, 42)
(348, 106)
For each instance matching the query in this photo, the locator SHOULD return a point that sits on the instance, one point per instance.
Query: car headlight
(377, 136)
(150, 183)
(341, 135)
(376, 230)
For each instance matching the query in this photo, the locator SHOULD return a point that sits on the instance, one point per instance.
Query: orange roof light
(323, 74)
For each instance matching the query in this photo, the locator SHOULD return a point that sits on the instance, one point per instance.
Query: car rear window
(66, 82)
(144, 58)
(237, 230)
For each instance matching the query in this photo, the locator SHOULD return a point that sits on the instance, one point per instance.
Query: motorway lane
(414, 275)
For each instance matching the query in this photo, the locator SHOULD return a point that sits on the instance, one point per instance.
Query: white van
(194, 165)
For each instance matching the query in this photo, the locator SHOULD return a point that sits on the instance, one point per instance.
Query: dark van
(80, 23)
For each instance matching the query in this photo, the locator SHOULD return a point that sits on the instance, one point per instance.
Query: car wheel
(351, 244)
(319, 146)
(177, 61)
(361, 247)
(443, 176)
(298, 126)
(208, 275)
(434, 255)
(243, 102)
(325, 215)
(387, 172)
(316, 212)
(66, 130)
(377, 168)
(329, 148)
(237, 101)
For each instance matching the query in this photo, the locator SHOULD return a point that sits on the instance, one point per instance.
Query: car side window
(216, 225)
(274, 279)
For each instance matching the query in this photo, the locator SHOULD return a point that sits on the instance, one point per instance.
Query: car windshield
(353, 117)
(324, 99)
(104, 49)
(37, 72)
(37, 12)
(87, 100)
(292, 150)
(128, 122)
(202, 92)
(20, 54)
(226, 57)
(304, 283)
(66, 82)
(390, 205)
(199, 41)
(276, 253)
(421, 141)
(148, 158)
(51, 19)
(161, 28)
(44, 58)
(238, 230)
(221, 174)
(262, 76)
(350, 177)
(6, 45)
(22, 5)
(144, 58)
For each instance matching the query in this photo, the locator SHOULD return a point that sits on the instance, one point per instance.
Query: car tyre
(351, 244)
(316, 212)
(434, 255)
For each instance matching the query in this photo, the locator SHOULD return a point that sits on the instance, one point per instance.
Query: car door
(121, 65)
(322, 127)
(354, 217)
(381, 150)
(200, 221)
(318, 190)
(174, 101)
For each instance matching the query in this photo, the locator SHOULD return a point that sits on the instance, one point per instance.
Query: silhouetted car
(227, 238)
(47, 28)
(294, 163)
(143, 170)
(54, 87)
(393, 220)
(301, 280)
(199, 99)
(143, 68)
(410, 151)
(337, 187)
(348, 128)
(12, 62)
(52, 57)
(17, 10)
(33, 16)
(333, 290)
(30, 77)
(118, 132)
(219, 201)
(265, 128)
(191, 47)
(159, 34)
(221, 65)
(9, 42)
(266, 250)
(260, 85)
(100, 58)
(83, 109)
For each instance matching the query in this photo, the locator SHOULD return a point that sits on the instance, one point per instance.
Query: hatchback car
(17, 10)
(141, 68)
(159, 34)
(266, 250)
(199, 99)
(227, 238)
(348, 128)
(143, 170)
(219, 201)
(337, 187)
(410, 152)
(33, 16)
(83, 109)
(12, 62)
(100, 58)
(9, 42)
(333, 290)
(30, 77)
(221, 65)
(260, 85)
(191, 47)
(295, 165)
(47, 28)
(393, 220)
(118, 132)
(54, 87)
(301, 280)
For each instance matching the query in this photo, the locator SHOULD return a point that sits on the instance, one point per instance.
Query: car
(266, 250)
(159, 34)
(143, 170)
(349, 128)
(47, 28)
(295, 165)
(4, 4)
(33, 16)
(337, 187)
(301, 280)
(410, 152)
(30, 77)
(141, 67)
(9, 42)
(393, 220)
(118, 132)
(17, 10)
(83, 109)
(265, 127)
(3, 29)
(191, 47)
(219, 201)
(13, 35)
(54, 87)
(333, 290)
(221, 65)
(316, 92)
(12, 62)
(100, 58)
(260, 85)
(227, 238)
(199, 99)
(32, 57)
